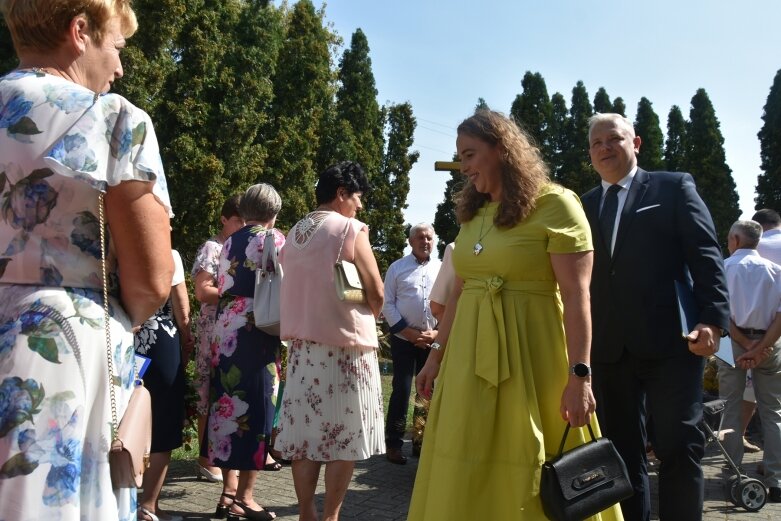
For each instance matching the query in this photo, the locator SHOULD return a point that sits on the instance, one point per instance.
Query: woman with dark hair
(241, 408)
(516, 321)
(75, 161)
(332, 406)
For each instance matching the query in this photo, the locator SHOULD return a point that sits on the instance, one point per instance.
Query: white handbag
(267, 286)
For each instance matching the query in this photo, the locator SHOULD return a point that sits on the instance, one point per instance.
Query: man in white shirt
(408, 284)
(770, 243)
(754, 285)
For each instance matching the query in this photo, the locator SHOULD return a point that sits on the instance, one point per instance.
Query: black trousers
(669, 390)
(408, 360)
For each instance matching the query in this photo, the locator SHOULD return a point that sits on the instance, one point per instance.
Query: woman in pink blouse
(332, 407)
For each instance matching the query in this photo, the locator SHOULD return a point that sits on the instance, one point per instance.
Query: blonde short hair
(41, 25)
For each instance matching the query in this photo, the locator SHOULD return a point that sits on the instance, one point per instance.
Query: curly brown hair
(524, 172)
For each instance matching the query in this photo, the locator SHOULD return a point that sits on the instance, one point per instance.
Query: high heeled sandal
(222, 510)
(165, 516)
(248, 513)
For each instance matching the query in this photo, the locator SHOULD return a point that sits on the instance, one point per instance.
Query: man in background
(770, 243)
(754, 285)
(408, 284)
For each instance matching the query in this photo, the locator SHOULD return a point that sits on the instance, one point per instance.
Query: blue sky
(441, 56)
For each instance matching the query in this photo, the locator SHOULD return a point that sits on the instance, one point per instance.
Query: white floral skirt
(332, 404)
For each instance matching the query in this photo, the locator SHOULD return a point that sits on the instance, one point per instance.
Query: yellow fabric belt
(491, 358)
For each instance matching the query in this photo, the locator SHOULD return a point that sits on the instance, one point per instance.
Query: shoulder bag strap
(344, 236)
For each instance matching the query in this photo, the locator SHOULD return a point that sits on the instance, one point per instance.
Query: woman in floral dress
(204, 275)
(332, 407)
(61, 145)
(241, 410)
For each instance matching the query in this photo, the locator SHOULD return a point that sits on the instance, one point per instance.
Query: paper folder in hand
(689, 313)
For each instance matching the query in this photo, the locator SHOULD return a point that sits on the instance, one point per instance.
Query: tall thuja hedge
(706, 161)
(652, 141)
(769, 181)
(303, 98)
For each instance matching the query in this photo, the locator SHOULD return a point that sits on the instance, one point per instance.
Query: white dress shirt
(408, 284)
(754, 285)
(770, 245)
(624, 183)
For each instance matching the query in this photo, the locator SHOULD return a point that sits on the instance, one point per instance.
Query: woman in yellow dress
(516, 324)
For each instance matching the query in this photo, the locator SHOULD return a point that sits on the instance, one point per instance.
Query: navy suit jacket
(665, 229)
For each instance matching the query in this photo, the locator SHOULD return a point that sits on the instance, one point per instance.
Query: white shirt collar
(623, 183)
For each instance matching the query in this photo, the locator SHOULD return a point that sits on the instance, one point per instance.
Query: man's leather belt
(749, 331)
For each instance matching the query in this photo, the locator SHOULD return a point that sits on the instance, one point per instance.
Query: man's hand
(425, 338)
(754, 356)
(704, 340)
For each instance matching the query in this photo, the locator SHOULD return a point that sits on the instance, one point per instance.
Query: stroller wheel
(752, 494)
(731, 488)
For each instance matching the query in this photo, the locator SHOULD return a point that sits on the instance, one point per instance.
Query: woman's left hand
(577, 401)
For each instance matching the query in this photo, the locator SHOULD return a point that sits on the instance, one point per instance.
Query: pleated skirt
(332, 404)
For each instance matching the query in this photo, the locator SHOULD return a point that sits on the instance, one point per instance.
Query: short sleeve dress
(246, 375)
(494, 416)
(207, 259)
(60, 145)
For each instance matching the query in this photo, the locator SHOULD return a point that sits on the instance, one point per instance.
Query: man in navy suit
(651, 229)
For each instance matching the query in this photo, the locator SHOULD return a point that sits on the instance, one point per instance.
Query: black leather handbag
(583, 481)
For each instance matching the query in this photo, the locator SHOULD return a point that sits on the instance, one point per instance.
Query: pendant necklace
(478, 245)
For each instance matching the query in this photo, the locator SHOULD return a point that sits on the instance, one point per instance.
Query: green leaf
(18, 465)
(38, 174)
(24, 126)
(46, 347)
(139, 134)
(230, 379)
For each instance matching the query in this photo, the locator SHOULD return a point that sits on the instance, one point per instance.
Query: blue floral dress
(59, 146)
(246, 373)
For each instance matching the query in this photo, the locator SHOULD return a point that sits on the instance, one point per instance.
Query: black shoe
(774, 495)
(395, 456)
(222, 508)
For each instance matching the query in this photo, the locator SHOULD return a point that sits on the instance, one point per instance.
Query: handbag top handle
(344, 236)
(269, 252)
(564, 438)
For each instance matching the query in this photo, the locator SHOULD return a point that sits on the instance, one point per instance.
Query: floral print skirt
(332, 404)
(55, 411)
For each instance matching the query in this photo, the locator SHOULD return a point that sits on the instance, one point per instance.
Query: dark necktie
(607, 217)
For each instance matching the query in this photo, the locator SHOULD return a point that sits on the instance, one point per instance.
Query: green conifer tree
(397, 163)
(303, 96)
(652, 140)
(576, 172)
(619, 107)
(557, 128)
(602, 102)
(531, 109)
(676, 144)
(361, 121)
(706, 161)
(769, 181)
